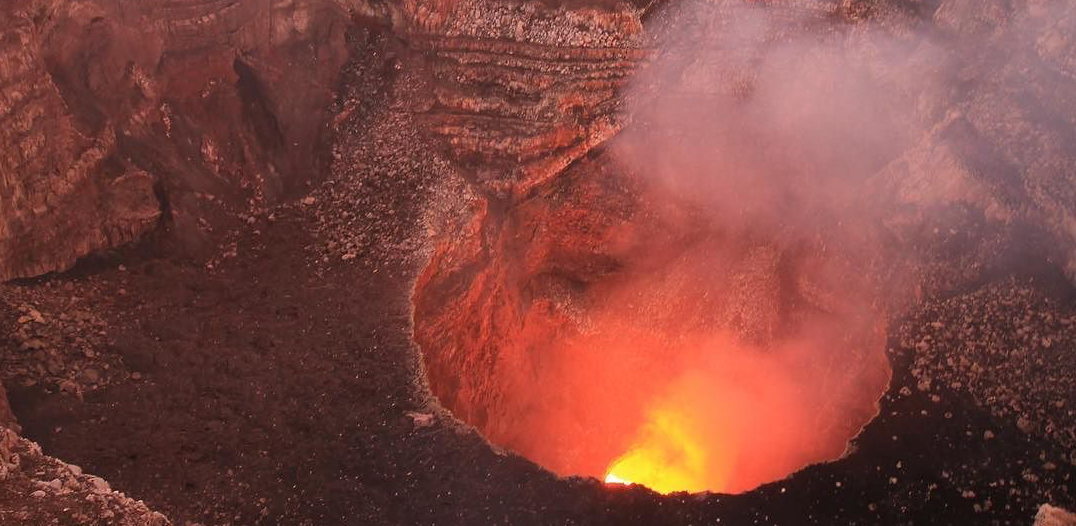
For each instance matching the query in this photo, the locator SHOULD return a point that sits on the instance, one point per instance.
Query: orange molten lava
(670, 453)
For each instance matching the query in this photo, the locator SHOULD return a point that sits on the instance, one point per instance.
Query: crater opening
(699, 303)
(610, 326)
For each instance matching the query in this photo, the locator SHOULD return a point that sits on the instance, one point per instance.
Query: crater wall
(118, 116)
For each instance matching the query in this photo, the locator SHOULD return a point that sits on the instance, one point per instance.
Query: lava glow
(667, 456)
(702, 414)
(658, 395)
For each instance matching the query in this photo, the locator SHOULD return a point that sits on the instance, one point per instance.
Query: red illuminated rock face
(552, 327)
(115, 115)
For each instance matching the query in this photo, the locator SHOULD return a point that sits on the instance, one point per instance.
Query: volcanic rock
(38, 489)
(7, 418)
(1053, 516)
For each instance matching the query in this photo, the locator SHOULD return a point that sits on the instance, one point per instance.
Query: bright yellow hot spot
(667, 456)
(613, 479)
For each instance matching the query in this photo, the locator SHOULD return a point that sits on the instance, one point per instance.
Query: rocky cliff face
(55, 204)
(121, 119)
(118, 117)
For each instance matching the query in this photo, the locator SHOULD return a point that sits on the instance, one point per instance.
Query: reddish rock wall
(193, 111)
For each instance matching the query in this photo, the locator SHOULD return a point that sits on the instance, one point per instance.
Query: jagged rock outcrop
(62, 197)
(199, 110)
(38, 489)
